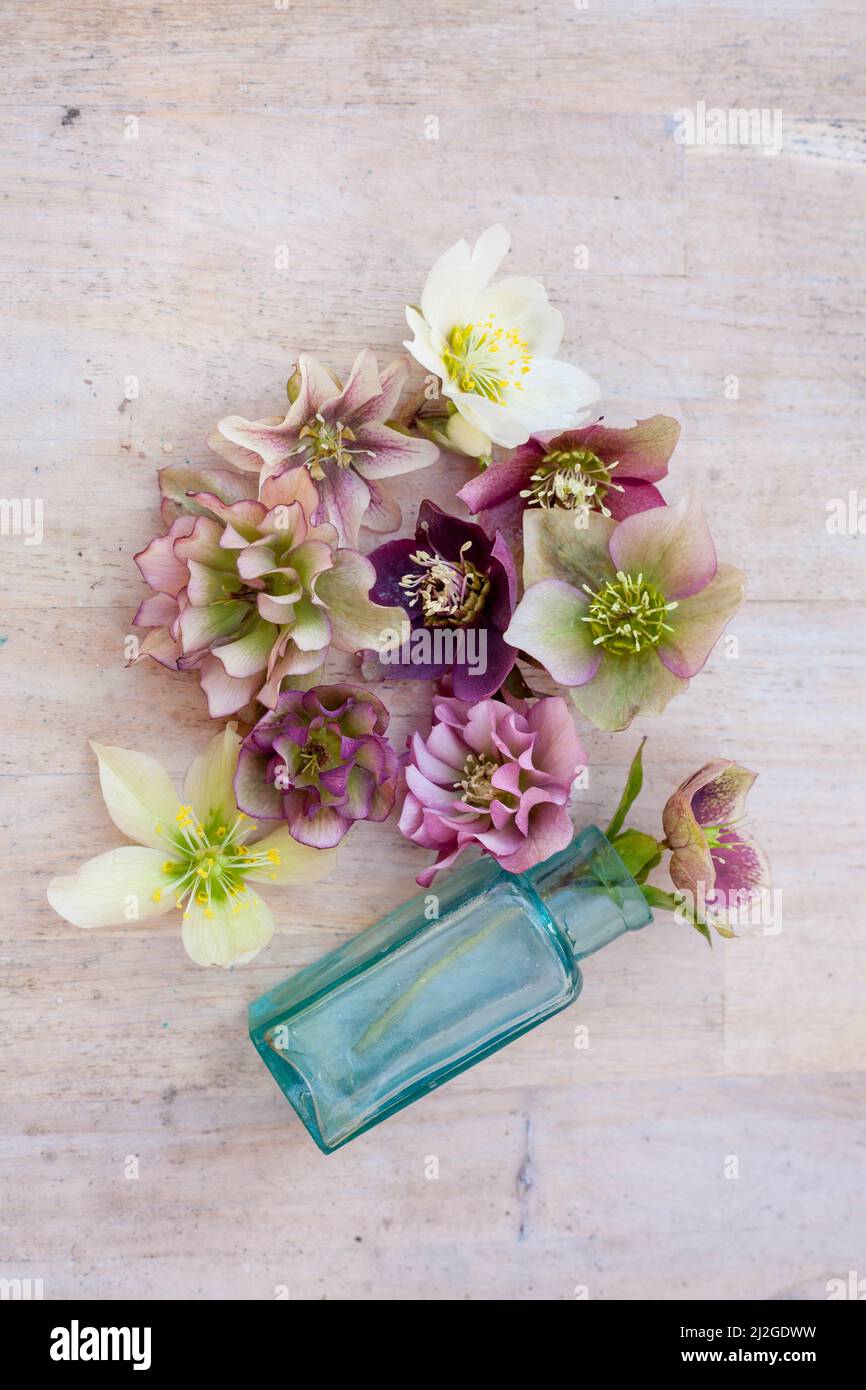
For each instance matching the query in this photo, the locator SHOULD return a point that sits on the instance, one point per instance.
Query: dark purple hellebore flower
(458, 588)
(319, 761)
(606, 470)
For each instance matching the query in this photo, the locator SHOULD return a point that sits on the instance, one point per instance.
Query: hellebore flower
(496, 775)
(598, 469)
(339, 436)
(319, 761)
(458, 587)
(715, 858)
(494, 346)
(249, 591)
(624, 613)
(197, 855)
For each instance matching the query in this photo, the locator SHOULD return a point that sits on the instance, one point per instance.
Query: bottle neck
(590, 893)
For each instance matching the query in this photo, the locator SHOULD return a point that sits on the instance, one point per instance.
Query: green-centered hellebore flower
(494, 346)
(199, 855)
(715, 857)
(250, 592)
(623, 613)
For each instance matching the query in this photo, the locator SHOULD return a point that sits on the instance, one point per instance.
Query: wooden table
(156, 157)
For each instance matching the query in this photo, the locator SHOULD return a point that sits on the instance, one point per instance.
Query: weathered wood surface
(559, 1168)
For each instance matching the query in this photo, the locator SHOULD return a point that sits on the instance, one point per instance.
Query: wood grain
(560, 1168)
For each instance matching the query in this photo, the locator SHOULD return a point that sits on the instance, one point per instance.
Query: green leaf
(631, 790)
(636, 850)
(641, 875)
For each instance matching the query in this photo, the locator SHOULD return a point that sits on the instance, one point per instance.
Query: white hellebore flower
(494, 346)
(198, 855)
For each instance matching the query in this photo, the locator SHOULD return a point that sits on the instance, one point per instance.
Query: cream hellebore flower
(198, 855)
(494, 348)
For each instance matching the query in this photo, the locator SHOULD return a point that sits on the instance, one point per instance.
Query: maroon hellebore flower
(458, 588)
(605, 470)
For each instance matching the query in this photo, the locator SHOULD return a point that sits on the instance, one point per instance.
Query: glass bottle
(439, 984)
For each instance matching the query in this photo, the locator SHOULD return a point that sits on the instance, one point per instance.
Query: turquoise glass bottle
(439, 984)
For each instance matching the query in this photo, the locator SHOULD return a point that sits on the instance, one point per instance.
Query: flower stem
(379, 1027)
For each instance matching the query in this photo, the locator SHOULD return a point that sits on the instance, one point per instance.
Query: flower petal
(159, 565)
(547, 624)
(624, 686)
(670, 546)
(522, 304)
(179, 481)
(634, 497)
(138, 793)
(448, 301)
(718, 792)
(383, 512)
(421, 347)
(321, 828)
(557, 746)
(356, 621)
(290, 487)
(555, 546)
(698, 622)
(247, 443)
(343, 500)
(473, 684)
(225, 694)
(299, 863)
(231, 935)
(201, 627)
(393, 452)
(382, 406)
(741, 865)
(124, 885)
(449, 268)
(362, 386)
(208, 784)
(503, 480)
(550, 830)
(691, 863)
(642, 452)
(252, 792)
(316, 386)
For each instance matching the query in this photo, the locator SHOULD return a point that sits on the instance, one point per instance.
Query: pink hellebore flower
(623, 613)
(339, 436)
(494, 775)
(612, 471)
(248, 590)
(320, 761)
(714, 855)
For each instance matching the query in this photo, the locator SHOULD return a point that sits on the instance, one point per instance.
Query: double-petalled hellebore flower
(198, 855)
(494, 775)
(339, 436)
(494, 346)
(715, 857)
(250, 591)
(612, 471)
(623, 613)
(458, 588)
(319, 761)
